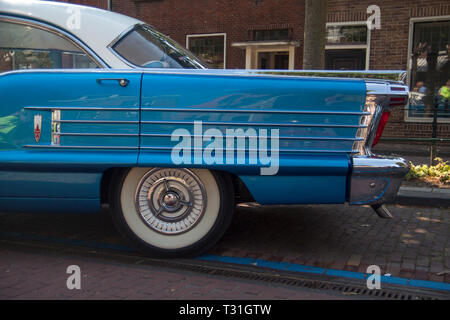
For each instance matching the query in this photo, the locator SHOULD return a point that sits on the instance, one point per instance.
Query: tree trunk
(314, 39)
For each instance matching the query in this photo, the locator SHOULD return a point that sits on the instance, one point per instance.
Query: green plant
(440, 171)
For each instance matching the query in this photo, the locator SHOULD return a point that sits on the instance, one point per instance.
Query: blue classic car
(101, 110)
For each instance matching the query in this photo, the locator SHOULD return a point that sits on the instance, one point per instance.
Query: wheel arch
(107, 184)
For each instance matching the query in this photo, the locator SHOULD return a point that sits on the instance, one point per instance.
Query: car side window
(24, 46)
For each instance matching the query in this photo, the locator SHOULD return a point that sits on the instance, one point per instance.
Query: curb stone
(423, 196)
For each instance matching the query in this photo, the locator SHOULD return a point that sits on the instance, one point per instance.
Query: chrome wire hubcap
(170, 201)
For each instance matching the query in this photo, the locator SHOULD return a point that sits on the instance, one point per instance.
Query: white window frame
(188, 36)
(409, 62)
(352, 46)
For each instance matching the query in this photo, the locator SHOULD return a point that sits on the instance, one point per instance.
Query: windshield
(145, 47)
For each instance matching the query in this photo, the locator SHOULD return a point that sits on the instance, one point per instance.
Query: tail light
(383, 120)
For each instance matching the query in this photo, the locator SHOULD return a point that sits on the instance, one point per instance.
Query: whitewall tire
(172, 212)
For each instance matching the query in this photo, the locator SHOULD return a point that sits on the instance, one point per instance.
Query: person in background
(444, 92)
(420, 87)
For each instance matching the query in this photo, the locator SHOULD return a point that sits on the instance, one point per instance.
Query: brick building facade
(245, 28)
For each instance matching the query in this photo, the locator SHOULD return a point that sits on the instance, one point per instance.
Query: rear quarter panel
(317, 119)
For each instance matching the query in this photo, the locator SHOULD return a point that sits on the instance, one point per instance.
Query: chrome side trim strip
(166, 135)
(258, 150)
(101, 121)
(285, 74)
(193, 149)
(259, 124)
(78, 147)
(97, 71)
(190, 109)
(99, 134)
(83, 108)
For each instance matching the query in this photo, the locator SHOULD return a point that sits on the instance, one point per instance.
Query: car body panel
(317, 121)
(50, 205)
(298, 189)
(99, 129)
(321, 113)
(86, 107)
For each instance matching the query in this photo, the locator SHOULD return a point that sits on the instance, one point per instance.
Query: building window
(429, 69)
(210, 48)
(346, 35)
(347, 46)
(275, 34)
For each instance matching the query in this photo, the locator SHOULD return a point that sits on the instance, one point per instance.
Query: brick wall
(388, 45)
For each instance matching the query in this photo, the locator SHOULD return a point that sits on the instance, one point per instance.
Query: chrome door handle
(123, 82)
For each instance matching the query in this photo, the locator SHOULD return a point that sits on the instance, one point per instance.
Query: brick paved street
(37, 274)
(414, 245)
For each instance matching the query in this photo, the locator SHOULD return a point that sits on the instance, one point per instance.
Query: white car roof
(96, 28)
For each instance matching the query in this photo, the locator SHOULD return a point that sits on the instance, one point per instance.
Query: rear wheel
(172, 212)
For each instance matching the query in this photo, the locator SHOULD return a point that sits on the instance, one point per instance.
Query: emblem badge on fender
(37, 127)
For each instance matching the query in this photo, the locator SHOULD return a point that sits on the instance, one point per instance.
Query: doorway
(278, 60)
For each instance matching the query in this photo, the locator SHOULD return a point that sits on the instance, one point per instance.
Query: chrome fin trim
(375, 180)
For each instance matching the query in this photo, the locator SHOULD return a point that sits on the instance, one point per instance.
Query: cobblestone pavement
(35, 274)
(414, 245)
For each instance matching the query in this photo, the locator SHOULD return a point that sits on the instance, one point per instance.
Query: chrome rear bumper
(376, 179)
